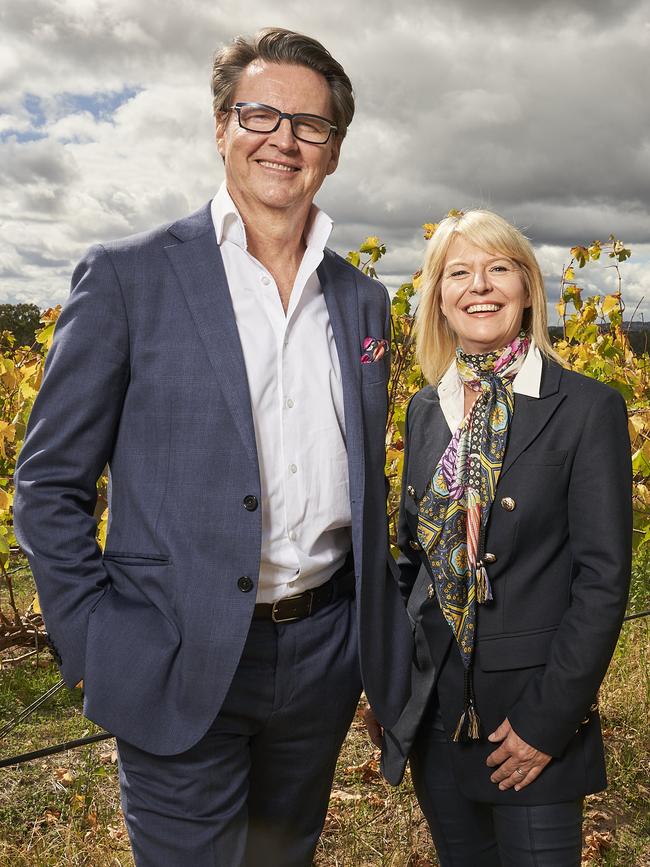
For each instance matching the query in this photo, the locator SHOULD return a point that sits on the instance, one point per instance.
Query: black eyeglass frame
(281, 115)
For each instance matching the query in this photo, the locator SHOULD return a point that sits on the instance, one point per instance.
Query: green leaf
(623, 387)
(401, 306)
(4, 547)
(44, 335)
(641, 460)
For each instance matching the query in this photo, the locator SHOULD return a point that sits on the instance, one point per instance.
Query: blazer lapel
(424, 460)
(199, 267)
(532, 414)
(340, 293)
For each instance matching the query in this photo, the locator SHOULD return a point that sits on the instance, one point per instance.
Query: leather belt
(292, 608)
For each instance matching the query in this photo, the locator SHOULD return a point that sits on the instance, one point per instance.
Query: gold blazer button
(415, 545)
(489, 558)
(410, 490)
(508, 504)
(431, 593)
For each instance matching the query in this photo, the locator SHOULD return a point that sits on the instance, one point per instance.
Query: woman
(515, 539)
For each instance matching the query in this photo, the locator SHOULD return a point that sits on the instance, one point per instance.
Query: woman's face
(482, 296)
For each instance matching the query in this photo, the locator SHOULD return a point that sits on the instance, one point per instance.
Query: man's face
(277, 170)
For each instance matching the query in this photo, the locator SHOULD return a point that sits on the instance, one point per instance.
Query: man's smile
(268, 164)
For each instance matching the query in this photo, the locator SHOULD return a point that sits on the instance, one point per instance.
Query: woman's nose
(479, 283)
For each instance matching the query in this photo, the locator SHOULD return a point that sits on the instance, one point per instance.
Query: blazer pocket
(127, 559)
(374, 371)
(514, 651)
(552, 458)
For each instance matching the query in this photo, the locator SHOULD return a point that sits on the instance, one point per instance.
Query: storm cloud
(537, 110)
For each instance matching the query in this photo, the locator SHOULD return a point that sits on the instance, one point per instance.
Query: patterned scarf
(454, 510)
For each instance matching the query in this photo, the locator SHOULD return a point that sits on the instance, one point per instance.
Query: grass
(63, 811)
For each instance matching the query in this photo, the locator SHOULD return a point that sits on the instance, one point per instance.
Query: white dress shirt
(294, 381)
(452, 397)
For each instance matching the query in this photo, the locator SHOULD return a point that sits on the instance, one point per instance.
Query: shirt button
(289, 402)
(250, 503)
(245, 584)
(293, 468)
(292, 535)
(265, 280)
(508, 504)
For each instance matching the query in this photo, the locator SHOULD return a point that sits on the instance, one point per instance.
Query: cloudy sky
(538, 110)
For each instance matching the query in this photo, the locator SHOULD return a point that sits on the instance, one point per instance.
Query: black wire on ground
(51, 751)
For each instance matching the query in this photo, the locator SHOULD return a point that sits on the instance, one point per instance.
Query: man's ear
(334, 156)
(220, 123)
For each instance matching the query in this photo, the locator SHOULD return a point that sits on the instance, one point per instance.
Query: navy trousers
(473, 834)
(255, 789)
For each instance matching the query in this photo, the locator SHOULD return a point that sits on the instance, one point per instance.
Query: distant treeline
(22, 320)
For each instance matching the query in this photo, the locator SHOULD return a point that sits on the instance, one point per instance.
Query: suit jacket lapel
(340, 293)
(532, 414)
(199, 267)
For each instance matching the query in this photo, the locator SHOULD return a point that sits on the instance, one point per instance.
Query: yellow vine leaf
(102, 529)
(5, 500)
(610, 304)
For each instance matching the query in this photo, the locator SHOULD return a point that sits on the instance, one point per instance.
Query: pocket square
(374, 348)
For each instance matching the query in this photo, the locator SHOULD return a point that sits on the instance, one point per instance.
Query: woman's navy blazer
(560, 534)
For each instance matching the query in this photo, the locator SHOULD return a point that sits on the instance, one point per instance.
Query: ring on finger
(521, 774)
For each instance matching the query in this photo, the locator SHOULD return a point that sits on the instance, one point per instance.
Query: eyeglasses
(257, 117)
(498, 273)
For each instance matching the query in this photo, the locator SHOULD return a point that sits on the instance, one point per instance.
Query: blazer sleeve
(68, 442)
(554, 702)
(409, 561)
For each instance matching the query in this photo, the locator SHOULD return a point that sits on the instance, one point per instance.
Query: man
(216, 366)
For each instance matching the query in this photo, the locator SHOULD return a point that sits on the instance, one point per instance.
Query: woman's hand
(375, 730)
(519, 763)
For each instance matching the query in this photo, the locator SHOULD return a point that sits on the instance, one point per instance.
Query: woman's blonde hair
(435, 341)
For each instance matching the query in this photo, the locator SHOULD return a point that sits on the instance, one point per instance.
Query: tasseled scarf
(453, 512)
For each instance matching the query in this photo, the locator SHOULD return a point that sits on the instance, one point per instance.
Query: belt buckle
(276, 619)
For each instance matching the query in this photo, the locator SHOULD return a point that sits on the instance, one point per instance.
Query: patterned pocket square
(374, 348)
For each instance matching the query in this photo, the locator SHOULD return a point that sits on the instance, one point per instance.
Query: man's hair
(275, 45)
(435, 340)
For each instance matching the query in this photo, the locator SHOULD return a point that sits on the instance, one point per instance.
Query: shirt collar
(229, 226)
(450, 390)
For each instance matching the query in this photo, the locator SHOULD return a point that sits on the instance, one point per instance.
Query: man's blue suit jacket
(146, 374)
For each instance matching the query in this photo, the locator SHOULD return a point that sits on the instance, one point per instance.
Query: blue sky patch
(34, 106)
(101, 105)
